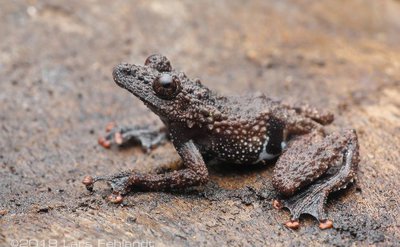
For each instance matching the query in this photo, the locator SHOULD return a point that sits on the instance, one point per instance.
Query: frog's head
(167, 92)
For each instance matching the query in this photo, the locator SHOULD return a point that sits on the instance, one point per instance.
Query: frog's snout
(121, 72)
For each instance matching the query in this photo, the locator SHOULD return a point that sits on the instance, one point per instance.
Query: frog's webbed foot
(147, 137)
(333, 159)
(310, 201)
(119, 182)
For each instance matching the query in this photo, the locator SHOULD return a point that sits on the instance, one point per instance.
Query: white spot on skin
(263, 154)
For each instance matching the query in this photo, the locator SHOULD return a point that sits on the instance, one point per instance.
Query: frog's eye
(166, 86)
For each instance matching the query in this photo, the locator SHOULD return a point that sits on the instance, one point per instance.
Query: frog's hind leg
(333, 159)
(318, 115)
(147, 136)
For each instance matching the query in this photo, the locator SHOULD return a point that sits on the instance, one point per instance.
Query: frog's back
(246, 107)
(247, 135)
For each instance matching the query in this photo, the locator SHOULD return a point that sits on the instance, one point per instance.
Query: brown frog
(239, 129)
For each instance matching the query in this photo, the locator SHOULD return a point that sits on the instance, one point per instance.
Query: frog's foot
(333, 159)
(147, 137)
(310, 201)
(119, 183)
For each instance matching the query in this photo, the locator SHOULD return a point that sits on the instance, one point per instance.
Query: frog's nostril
(126, 70)
(123, 70)
(120, 72)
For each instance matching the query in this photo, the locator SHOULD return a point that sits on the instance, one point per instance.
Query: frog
(202, 125)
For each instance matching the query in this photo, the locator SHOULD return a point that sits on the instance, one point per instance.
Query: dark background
(57, 94)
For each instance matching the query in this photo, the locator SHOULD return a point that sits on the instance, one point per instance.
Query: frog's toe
(116, 198)
(293, 224)
(104, 142)
(114, 136)
(325, 224)
(118, 138)
(110, 126)
(277, 204)
(88, 181)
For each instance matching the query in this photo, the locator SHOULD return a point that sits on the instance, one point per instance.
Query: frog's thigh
(306, 159)
(302, 162)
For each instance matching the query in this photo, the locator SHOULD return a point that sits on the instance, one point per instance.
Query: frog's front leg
(146, 136)
(194, 173)
(333, 159)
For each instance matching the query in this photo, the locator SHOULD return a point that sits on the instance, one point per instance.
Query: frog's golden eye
(166, 86)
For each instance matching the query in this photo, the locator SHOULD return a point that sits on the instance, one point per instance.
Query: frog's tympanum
(310, 164)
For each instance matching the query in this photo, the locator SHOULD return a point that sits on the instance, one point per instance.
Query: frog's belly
(266, 155)
(243, 151)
